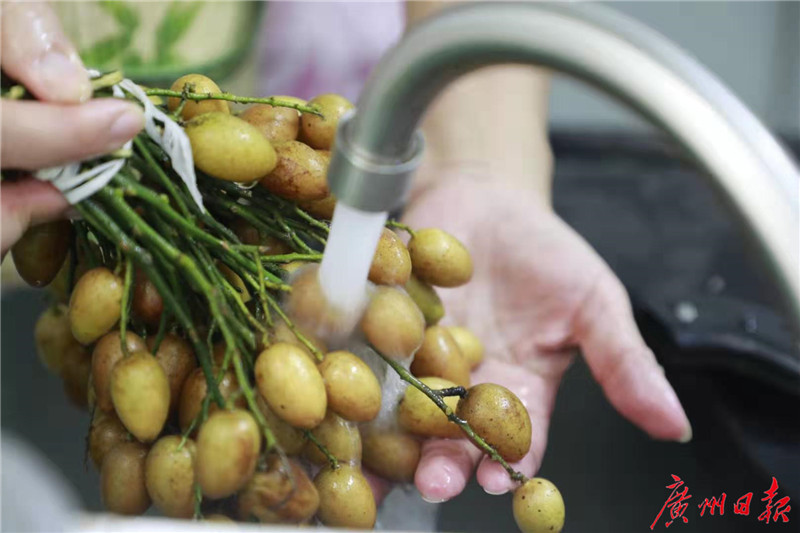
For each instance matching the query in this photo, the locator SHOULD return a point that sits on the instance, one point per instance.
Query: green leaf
(174, 25)
(124, 14)
(132, 59)
(105, 50)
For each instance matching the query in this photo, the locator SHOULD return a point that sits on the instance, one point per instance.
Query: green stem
(131, 188)
(125, 306)
(302, 338)
(198, 502)
(273, 101)
(452, 391)
(106, 80)
(399, 225)
(436, 398)
(331, 459)
(311, 220)
(277, 258)
(160, 175)
(180, 194)
(99, 219)
(249, 216)
(162, 330)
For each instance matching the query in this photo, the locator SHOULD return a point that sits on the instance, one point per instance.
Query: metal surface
(616, 54)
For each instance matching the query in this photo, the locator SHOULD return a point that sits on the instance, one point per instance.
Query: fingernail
(63, 77)
(433, 500)
(493, 493)
(687, 435)
(127, 124)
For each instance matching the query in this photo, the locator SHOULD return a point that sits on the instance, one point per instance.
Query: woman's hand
(53, 130)
(539, 293)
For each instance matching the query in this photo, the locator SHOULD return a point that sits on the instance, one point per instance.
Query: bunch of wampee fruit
(198, 336)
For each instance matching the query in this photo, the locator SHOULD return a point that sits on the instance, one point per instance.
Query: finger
(38, 135)
(624, 366)
(37, 54)
(444, 468)
(495, 480)
(27, 203)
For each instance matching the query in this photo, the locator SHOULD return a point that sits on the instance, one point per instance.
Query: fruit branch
(325, 451)
(125, 306)
(271, 100)
(93, 213)
(461, 392)
(436, 398)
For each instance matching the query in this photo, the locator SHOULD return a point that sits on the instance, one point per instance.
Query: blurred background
(702, 299)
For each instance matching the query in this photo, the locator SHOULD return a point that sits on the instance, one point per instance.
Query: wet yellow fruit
(199, 84)
(309, 307)
(300, 173)
(320, 208)
(107, 352)
(538, 507)
(291, 440)
(229, 148)
(352, 388)
(169, 476)
(439, 258)
(499, 417)
(426, 299)
(40, 252)
(105, 433)
(392, 323)
(471, 346)
(53, 337)
(146, 303)
(227, 451)
(94, 306)
(140, 394)
(440, 356)
(278, 124)
(122, 484)
(178, 361)
(194, 390)
(319, 132)
(345, 498)
(75, 374)
(419, 415)
(282, 333)
(291, 385)
(340, 437)
(393, 455)
(391, 264)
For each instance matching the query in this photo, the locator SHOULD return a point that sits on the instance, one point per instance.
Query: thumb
(37, 54)
(624, 366)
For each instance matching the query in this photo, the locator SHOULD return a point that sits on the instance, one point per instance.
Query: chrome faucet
(379, 146)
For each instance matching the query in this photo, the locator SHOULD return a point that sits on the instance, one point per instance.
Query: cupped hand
(52, 130)
(538, 294)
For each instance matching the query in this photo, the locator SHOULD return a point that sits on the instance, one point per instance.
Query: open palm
(539, 293)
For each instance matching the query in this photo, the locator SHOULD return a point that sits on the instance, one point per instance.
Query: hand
(538, 293)
(53, 130)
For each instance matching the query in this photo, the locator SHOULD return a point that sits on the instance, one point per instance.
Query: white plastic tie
(76, 185)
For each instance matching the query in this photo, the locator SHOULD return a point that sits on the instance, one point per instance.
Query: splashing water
(351, 246)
